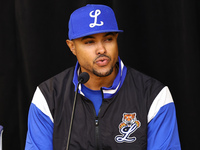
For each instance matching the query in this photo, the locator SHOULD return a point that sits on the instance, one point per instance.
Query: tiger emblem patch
(127, 127)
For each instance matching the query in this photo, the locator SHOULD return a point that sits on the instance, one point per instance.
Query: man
(118, 108)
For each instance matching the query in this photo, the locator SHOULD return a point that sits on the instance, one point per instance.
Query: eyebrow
(92, 37)
(109, 33)
(87, 37)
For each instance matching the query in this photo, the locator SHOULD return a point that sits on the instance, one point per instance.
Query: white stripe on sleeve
(164, 97)
(41, 103)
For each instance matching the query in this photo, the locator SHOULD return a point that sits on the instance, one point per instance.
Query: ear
(116, 35)
(71, 46)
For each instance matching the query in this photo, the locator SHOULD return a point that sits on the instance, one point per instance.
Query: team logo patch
(95, 15)
(127, 127)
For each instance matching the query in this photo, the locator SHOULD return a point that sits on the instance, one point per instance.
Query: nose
(100, 49)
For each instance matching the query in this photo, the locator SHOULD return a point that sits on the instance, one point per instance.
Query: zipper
(97, 125)
(97, 132)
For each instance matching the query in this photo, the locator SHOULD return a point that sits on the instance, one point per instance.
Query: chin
(103, 73)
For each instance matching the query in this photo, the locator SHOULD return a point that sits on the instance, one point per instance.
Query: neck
(95, 82)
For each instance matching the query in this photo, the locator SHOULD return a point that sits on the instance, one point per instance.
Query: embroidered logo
(127, 127)
(95, 15)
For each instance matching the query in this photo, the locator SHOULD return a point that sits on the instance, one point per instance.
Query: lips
(102, 61)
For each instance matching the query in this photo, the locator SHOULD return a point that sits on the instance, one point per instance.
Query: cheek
(112, 47)
(114, 53)
(84, 57)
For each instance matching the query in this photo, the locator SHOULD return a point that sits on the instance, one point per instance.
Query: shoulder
(58, 80)
(62, 76)
(56, 87)
(140, 79)
(147, 86)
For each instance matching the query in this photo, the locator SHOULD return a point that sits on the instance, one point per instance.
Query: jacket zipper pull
(96, 121)
(97, 132)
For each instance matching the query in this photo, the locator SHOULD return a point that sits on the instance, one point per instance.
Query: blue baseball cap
(92, 19)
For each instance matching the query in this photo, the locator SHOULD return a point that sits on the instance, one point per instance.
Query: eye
(108, 39)
(89, 42)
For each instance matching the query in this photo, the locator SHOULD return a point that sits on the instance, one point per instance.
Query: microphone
(82, 79)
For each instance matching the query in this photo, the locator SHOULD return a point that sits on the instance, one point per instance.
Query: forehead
(98, 35)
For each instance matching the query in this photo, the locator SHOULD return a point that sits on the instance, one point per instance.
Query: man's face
(97, 53)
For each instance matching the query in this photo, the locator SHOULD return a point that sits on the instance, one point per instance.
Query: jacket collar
(107, 92)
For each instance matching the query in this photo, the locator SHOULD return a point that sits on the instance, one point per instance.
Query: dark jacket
(124, 122)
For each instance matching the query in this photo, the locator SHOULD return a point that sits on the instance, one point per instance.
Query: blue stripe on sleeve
(163, 130)
(40, 130)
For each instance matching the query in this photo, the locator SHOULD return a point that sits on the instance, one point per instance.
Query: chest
(120, 124)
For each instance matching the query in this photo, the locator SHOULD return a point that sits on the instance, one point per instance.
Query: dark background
(161, 39)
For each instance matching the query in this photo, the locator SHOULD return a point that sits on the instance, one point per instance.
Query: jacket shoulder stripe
(41, 103)
(164, 97)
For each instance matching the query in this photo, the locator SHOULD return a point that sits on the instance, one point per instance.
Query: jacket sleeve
(40, 124)
(162, 123)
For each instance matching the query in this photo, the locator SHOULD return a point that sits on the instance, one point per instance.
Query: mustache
(102, 55)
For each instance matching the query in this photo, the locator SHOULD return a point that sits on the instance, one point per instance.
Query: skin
(97, 55)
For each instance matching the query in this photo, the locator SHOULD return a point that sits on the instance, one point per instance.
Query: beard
(98, 71)
(100, 74)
